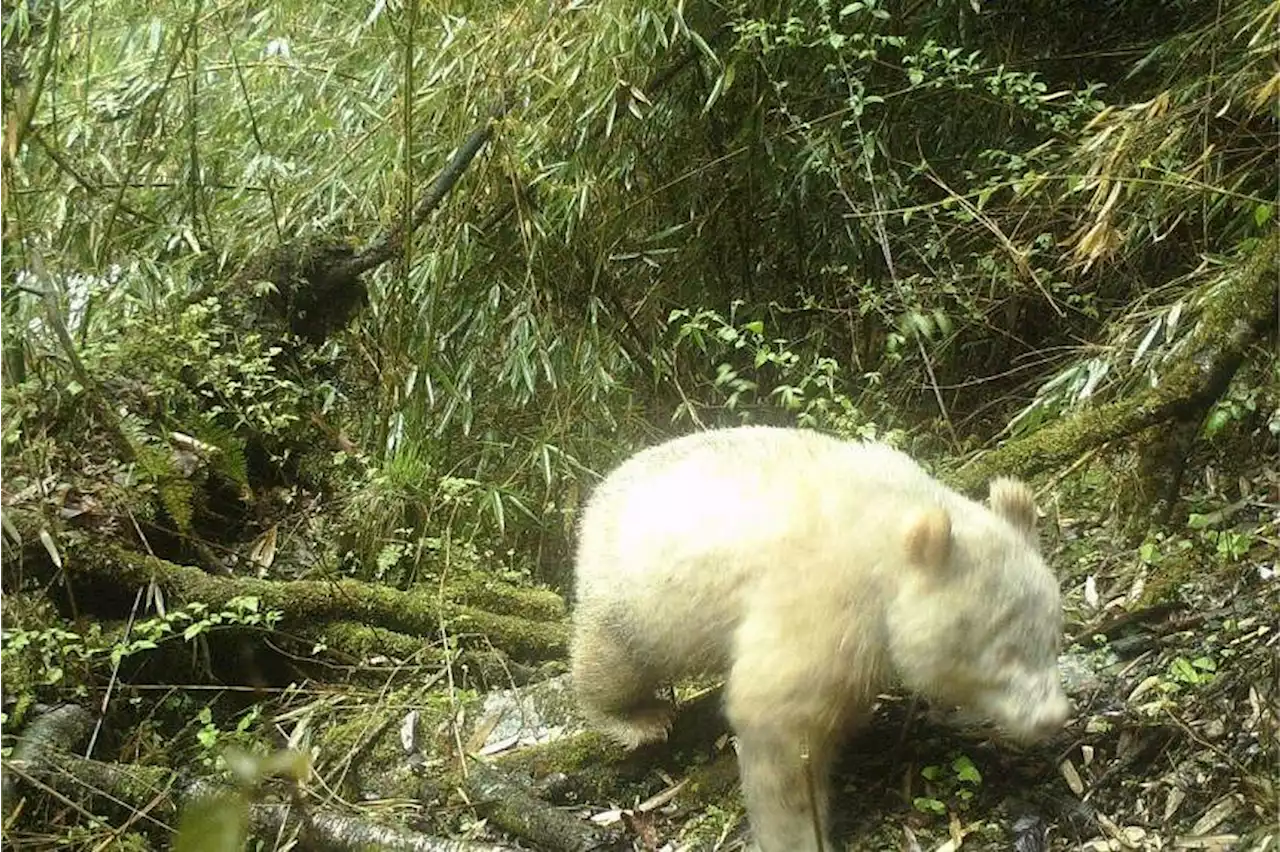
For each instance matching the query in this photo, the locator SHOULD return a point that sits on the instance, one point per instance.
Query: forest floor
(1173, 669)
(1172, 664)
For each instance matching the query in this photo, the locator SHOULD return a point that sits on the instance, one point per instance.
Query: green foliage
(1194, 672)
(176, 493)
(1229, 545)
(415, 521)
(191, 370)
(1183, 674)
(755, 374)
(927, 202)
(169, 368)
(1156, 551)
(956, 783)
(709, 825)
(213, 740)
(228, 456)
(70, 659)
(177, 395)
(1253, 397)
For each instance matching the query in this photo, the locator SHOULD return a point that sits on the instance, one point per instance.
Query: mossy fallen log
(491, 668)
(158, 798)
(484, 592)
(1242, 308)
(518, 812)
(599, 770)
(307, 603)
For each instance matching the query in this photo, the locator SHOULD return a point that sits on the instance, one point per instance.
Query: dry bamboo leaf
(1118, 834)
(1091, 592)
(609, 817)
(1266, 95)
(1213, 843)
(955, 830)
(1217, 813)
(1176, 797)
(409, 732)
(263, 552)
(1149, 683)
(47, 540)
(1158, 106)
(1069, 774)
(1132, 836)
(661, 798)
(10, 529)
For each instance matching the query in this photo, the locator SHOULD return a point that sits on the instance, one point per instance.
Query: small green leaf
(943, 321)
(928, 805)
(1217, 421)
(965, 770)
(1197, 521)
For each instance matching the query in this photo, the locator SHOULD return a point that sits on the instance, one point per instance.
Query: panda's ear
(928, 539)
(1012, 500)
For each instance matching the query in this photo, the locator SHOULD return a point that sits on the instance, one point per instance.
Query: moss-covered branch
(156, 797)
(517, 811)
(491, 668)
(1243, 308)
(307, 603)
(600, 770)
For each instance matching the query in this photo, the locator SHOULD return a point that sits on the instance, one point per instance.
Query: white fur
(811, 571)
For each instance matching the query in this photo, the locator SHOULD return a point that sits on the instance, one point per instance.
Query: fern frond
(229, 461)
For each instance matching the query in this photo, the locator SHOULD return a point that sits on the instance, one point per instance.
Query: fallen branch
(157, 796)
(330, 832)
(597, 768)
(65, 726)
(511, 807)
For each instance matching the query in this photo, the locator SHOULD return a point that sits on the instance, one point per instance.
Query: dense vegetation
(320, 319)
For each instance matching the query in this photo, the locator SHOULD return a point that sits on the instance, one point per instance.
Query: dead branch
(596, 767)
(391, 242)
(330, 832)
